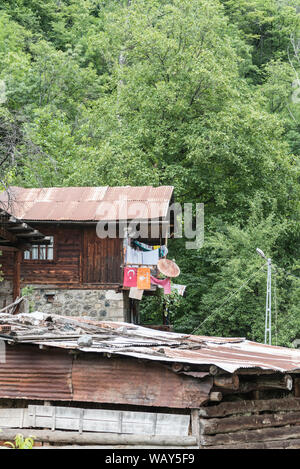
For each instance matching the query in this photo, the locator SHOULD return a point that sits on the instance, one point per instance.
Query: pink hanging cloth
(130, 277)
(165, 283)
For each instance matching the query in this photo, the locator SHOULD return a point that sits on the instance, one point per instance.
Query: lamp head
(261, 253)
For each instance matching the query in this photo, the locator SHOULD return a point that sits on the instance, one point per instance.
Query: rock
(85, 341)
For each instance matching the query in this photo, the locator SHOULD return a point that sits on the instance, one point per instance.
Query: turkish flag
(130, 277)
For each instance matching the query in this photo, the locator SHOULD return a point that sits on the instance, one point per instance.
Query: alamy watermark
(147, 220)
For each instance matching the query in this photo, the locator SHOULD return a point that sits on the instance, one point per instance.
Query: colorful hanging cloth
(133, 256)
(143, 278)
(163, 283)
(163, 251)
(142, 246)
(130, 277)
(150, 257)
(135, 293)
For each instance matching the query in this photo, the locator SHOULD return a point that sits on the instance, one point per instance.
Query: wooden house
(78, 272)
(15, 237)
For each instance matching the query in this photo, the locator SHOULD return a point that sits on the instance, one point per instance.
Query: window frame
(39, 246)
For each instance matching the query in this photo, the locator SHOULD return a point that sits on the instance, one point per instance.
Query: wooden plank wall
(260, 424)
(103, 427)
(95, 420)
(101, 258)
(81, 259)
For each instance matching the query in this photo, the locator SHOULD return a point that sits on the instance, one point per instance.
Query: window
(42, 252)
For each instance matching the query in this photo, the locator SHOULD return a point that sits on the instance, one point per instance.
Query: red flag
(130, 277)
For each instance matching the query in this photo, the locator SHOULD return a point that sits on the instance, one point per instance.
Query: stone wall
(6, 293)
(103, 305)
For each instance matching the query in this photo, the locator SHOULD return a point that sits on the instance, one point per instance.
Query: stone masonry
(103, 305)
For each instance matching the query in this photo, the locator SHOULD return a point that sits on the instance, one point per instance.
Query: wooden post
(195, 425)
(17, 276)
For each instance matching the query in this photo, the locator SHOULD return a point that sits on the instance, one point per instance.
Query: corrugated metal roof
(229, 354)
(88, 203)
(14, 232)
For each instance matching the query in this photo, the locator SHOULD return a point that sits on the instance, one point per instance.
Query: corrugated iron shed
(88, 203)
(122, 339)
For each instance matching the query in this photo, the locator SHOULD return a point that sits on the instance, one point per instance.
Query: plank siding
(65, 266)
(7, 264)
(101, 259)
(81, 259)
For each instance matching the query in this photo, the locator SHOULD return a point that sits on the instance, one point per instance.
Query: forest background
(200, 94)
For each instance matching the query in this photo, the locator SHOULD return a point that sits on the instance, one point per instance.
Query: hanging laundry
(143, 278)
(133, 257)
(130, 277)
(142, 246)
(135, 293)
(150, 257)
(179, 288)
(163, 251)
(163, 283)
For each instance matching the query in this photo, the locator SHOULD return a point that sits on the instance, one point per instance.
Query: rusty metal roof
(115, 338)
(88, 203)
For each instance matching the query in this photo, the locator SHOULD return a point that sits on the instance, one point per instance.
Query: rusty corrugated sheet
(128, 381)
(31, 373)
(229, 354)
(88, 203)
(123, 378)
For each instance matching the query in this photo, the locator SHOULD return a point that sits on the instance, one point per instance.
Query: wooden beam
(8, 248)
(285, 444)
(90, 438)
(17, 275)
(248, 422)
(5, 234)
(267, 382)
(226, 382)
(240, 407)
(252, 436)
(215, 396)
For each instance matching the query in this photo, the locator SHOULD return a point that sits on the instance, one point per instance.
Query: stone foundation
(103, 305)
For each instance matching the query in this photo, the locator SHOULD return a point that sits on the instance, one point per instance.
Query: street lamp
(268, 321)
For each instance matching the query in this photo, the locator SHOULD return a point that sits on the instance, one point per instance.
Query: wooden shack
(134, 387)
(78, 272)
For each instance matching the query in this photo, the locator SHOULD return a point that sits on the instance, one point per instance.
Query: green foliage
(21, 442)
(199, 94)
(154, 308)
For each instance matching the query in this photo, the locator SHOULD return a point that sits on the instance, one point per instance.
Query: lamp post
(268, 320)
